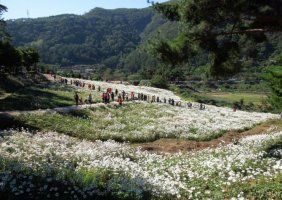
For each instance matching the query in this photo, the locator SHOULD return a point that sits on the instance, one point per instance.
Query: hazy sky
(44, 8)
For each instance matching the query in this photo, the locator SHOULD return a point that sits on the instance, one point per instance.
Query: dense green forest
(100, 36)
(121, 39)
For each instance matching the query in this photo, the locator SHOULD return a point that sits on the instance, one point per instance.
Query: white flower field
(185, 176)
(52, 165)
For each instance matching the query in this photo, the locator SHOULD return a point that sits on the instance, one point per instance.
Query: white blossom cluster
(172, 176)
(162, 93)
(168, 121)
(195, 123)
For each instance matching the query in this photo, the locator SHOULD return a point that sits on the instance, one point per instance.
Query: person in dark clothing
(113, 96)
(145, 97)
(90, 99)
(189, 105)
(123, 95)
(76, 98)
(202, 107)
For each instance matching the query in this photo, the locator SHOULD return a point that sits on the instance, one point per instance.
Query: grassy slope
(254, 96)
(17, 93)
(232, 97)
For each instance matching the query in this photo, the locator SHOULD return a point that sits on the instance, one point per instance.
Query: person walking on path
(108, 97)
(104, 98)
(123, 95)
(119, 100)
(76, 98)
(202, 107)
(90, 99)
(113, 96)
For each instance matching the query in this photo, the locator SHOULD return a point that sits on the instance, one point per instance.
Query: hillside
(98, 36)
(189, 153)
(116, 39)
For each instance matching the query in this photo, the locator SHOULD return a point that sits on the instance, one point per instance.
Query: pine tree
(219, 27)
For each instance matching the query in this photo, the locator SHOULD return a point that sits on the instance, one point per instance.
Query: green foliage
(159, 81)
(9, 57)
(23, 93)
(218, 28)
(29, 57)
(100, 36)
(3, 33)
(12, 58)
(274, 77)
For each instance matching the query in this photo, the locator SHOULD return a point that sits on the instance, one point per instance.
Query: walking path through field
(161, 145)
(176, 145)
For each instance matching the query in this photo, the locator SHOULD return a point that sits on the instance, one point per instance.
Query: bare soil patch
(175, 145)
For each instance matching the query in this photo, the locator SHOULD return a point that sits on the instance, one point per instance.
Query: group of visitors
(109, 96)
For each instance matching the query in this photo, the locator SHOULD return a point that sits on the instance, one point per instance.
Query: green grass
(251, 101)
(232, 97)
(21, 94)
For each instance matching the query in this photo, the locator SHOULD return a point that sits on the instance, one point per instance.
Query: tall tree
(220, 27)
(9, 57)
(3, 33)
(29, 57)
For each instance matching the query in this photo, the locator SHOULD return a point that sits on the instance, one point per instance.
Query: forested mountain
(100, 36)
(114, 39)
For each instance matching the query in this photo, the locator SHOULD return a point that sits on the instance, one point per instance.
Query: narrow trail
(164, 146)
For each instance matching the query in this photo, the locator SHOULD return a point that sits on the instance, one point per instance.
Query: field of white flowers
(145, 122)
(66, 159)
(38, 164)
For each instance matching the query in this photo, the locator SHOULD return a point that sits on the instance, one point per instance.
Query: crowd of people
(110, 95)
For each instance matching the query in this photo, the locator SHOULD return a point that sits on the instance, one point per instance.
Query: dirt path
(175, 145)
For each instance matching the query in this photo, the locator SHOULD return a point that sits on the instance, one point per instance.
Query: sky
(44, 8)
